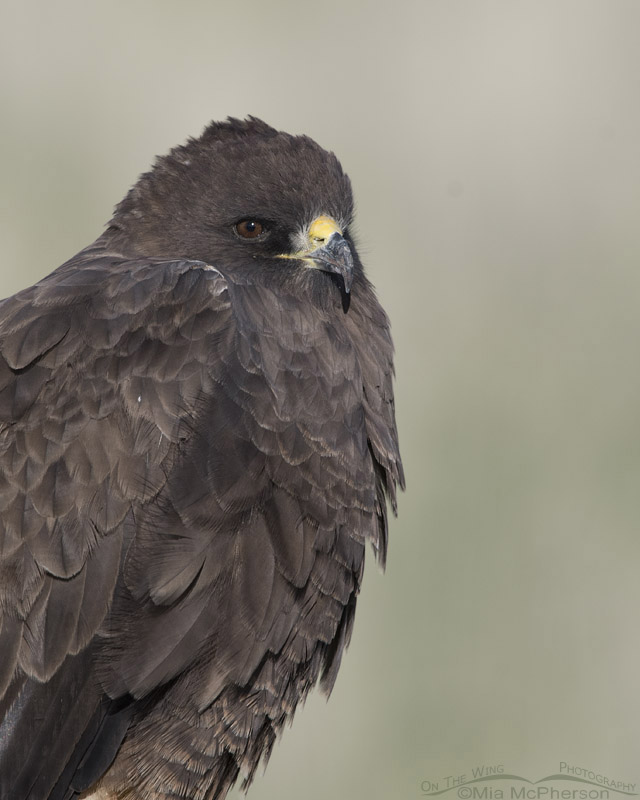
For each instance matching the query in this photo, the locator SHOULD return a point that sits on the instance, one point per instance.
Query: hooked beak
(335, 256)
(324, 247)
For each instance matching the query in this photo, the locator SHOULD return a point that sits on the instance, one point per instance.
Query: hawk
(197, 441)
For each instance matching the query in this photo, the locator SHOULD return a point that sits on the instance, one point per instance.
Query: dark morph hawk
(197, 440)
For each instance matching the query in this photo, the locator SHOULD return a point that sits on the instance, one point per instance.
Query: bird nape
(197, 441)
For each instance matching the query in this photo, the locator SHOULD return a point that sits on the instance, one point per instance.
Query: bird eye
(249, 228)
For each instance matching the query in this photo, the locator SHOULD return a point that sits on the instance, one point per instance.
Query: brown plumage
(197, 440)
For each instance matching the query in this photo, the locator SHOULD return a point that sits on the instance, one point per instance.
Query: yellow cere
(318, 234)
(321, 229)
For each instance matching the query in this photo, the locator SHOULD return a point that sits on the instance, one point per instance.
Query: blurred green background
(494, 148)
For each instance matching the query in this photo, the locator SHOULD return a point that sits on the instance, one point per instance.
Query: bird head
(258, 204)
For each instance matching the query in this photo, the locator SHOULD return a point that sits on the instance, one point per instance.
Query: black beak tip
(346, 299)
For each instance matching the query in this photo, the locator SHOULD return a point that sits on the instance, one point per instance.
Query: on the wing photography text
(494, 782)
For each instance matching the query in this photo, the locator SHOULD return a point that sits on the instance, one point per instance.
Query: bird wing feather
(99, 364)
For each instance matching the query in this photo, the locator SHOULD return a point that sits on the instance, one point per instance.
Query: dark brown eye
(249, 228)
